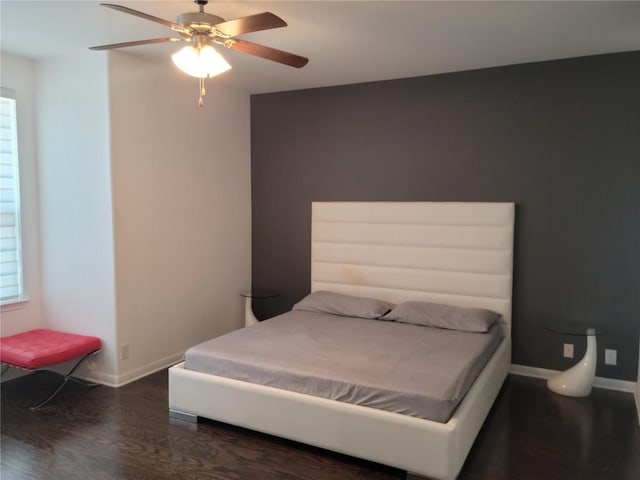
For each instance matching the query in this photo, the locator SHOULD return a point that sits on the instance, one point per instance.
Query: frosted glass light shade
(200, 62)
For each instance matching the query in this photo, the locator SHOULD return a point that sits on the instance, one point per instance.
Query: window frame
(19, 297)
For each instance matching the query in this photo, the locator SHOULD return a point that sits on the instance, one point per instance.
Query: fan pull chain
(203, 92)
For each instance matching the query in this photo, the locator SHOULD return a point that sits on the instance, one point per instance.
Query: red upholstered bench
(38, 349)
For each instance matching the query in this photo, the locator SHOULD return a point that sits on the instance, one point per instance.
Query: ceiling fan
(202, 30)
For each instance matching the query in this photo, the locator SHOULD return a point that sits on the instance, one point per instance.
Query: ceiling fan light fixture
(200, 62)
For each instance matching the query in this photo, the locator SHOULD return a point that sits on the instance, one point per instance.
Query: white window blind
(10, 241)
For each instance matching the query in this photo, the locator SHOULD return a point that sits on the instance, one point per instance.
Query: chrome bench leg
(65, 378)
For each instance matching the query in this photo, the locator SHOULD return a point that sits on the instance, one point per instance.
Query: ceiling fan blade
(173, 26)
(252, 23)
(135, 43)
(266, 52)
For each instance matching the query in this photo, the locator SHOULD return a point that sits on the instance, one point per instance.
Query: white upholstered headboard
(453, 253)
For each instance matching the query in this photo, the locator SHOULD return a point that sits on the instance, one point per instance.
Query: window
(10, 240)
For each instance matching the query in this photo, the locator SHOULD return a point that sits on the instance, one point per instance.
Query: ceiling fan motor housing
(199, 21)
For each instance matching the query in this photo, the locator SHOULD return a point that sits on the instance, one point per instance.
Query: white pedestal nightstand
(578, 380)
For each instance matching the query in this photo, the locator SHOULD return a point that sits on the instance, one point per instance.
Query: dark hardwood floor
(125, 433)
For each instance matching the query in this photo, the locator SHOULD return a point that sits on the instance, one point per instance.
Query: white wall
(75, 202)
(18, 74)
(144, 206)
(182, 210)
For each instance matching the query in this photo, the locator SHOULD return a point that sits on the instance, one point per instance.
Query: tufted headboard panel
(453, 253)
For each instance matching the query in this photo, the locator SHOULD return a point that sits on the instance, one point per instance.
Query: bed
(450, 253)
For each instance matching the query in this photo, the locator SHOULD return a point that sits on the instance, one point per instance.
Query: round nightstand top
(260, 293)
(575, 327)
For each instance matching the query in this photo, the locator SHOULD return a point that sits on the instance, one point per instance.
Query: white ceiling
(346, 42)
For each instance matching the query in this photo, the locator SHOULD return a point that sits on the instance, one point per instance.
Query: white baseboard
(135, 374)
(95, 376)
(599, 382)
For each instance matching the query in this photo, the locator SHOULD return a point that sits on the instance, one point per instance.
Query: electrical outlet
(124, 351)
(568, 350)
(610, 357)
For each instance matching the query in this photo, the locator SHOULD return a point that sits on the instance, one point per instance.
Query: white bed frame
(454, 253)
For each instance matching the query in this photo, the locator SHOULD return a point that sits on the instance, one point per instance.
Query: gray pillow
(444, 316)
(339, 304)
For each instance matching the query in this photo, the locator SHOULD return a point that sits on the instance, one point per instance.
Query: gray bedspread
(413, 370)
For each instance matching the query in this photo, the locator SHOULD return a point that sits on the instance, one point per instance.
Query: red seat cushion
(41, 348)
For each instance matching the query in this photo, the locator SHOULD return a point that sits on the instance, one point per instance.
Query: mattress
(413, 370)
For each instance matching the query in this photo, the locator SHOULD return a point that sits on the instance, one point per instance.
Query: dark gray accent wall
(559, 138)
